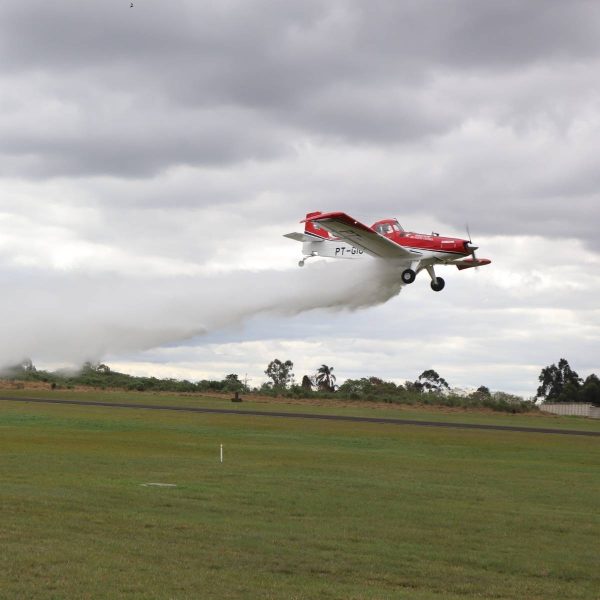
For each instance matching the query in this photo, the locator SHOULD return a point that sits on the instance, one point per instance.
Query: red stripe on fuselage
(433, 243)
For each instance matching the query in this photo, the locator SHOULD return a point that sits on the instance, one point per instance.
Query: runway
(314, 416)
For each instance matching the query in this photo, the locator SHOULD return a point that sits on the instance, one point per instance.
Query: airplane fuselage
(422, 244)
(424, 248)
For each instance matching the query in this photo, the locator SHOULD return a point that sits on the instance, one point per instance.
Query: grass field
(353, 408)
(297, 510)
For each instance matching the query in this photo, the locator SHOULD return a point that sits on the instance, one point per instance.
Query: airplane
(338, 235)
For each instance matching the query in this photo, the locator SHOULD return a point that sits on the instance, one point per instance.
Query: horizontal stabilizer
(300, 237)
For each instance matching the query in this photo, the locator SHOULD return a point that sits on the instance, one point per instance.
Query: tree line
(558, 383)
(429, 388)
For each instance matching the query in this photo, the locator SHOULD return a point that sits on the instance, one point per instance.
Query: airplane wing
(360, 236)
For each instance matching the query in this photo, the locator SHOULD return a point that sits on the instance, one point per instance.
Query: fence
(577, 409)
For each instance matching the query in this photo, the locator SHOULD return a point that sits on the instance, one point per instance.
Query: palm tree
(325, 379)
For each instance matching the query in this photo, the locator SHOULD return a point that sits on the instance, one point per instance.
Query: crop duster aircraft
(337, 235)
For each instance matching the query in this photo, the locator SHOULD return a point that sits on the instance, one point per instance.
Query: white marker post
(221, 452)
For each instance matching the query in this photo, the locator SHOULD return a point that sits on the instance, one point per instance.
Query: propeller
(470, 244)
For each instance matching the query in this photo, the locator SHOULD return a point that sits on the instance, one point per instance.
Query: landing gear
(408, 276)
(304, 259)
(438, 284)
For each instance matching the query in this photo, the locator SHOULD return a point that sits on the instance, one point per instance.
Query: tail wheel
(438, 285)
(408, 276)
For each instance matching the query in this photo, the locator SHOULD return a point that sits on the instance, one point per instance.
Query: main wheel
(301, 263)
(408, 276)
(438, 286)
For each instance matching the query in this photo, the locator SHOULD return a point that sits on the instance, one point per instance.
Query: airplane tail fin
(318, 241)
(314, 229)
(314, 233)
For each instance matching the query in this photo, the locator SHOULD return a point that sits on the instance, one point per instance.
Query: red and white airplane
(337, 235)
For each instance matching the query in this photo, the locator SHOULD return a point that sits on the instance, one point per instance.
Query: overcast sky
(152, 157)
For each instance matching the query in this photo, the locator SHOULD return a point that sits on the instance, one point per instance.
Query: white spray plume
(73, 317)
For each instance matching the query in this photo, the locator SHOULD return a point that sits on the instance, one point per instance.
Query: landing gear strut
(301, 262)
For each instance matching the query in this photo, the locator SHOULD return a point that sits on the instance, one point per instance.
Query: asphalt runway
(314, 416)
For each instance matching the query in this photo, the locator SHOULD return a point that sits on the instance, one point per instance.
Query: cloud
(103, 89)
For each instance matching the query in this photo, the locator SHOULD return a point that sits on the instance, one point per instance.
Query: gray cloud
(138, 90)
(126, 143)
(334, 37)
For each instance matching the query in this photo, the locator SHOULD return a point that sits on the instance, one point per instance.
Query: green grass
(433, 413)
(297, 510)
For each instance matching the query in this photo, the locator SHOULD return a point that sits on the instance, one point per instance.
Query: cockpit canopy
(387, 226)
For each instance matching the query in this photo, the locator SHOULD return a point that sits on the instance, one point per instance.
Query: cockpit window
(387, 228)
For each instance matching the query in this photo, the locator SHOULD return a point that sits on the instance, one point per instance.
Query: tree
(556, 379)
(590, 391)
(325, 379)
(280, 372)
(232, 383)
(306, 384)
(369, 388)
(430, 381)
(481, 393)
